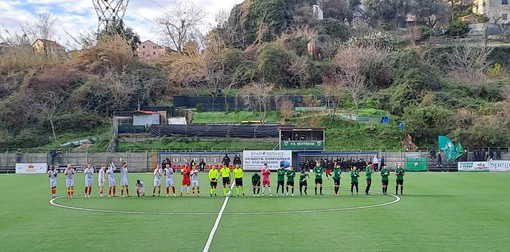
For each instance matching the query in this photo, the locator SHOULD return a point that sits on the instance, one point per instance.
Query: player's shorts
(239, 181)
(214, 183)
(318, 181)
(53, 182)
(266, 182)
(255, 183)
(194, 183)
(69, 182)
(111, 182)
(186, 182)
(169, 182)
(290, 183)
(400, 182)
(124, 181)
(280, 183)
(354, 183)
(369, 180)
(141, 189)
(88, 182)
(336, 181)
(101, 182)
(226, 180)
(157, 182)
(303, 183)
(385, 182)
(328, 171)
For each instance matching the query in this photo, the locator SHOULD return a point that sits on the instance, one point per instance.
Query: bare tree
(181, 25)
(42, 28)
(286, 109)
(256, 96)
(332, 90)
(46, 104)
(348, 73)
(468, 63)
(497, 18)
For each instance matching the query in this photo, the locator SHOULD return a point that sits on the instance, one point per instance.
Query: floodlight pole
(109, 11)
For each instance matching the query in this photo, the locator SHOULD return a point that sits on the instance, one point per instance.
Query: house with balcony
(149, 50)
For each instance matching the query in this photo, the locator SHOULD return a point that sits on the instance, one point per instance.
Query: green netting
(414, 164)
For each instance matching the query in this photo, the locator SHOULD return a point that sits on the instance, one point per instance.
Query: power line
(161, 6)
(141, 16)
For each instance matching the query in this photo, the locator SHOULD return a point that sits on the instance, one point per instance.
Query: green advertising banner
(302, 145)
(415, 164)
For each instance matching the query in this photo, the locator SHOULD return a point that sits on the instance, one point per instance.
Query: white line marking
(396, 199)
(217, 222)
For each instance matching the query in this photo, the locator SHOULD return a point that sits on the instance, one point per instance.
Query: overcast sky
(80, 15)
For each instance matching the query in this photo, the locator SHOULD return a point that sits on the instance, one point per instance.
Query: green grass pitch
(439, 212)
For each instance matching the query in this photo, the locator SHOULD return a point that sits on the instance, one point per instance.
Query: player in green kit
(255, 182)
(400, 172)
(354, 179)
(281, 179)
(384, 178)
(318, 170)
(238, 179)
(290, 180)
(302, 182)
(368, 174)
(337, 173)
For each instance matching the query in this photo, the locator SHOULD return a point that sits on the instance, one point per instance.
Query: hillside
(271, 47)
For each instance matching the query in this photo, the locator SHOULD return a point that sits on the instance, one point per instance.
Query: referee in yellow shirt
(238, 177)
(225, 175)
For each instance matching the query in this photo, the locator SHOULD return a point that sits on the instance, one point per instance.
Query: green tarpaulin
(414, 164)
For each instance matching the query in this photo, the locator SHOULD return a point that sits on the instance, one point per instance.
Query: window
(504, 1)
(143, 46)
(504, 16)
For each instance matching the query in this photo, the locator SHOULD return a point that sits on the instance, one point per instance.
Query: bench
(7, 169)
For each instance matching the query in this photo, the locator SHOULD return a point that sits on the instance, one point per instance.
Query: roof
(47, 42)
(145, 112)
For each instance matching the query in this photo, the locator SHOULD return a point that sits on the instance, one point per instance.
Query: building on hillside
(48, 47)
(149, 50)
(496, 10)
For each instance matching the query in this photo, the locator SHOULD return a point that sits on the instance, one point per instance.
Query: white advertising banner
(31, 168)
(499, 166)
(473, 166)
(254, 160)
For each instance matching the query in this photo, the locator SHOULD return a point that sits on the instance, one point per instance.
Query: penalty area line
(217, 222)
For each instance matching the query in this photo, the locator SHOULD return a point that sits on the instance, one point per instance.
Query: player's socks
(396, 190)
(114, 191)
(254, 189)
(127, 191)
(316, 190)
(109, 191)
(72, 192)
(187, 190)
(167, 190)
(292, 191)
(258, 191)
(263, 189)
(321, 190)
(270, 191)
(306, 188)
(401, 189)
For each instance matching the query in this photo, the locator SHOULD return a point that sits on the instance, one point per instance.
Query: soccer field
(439, 212)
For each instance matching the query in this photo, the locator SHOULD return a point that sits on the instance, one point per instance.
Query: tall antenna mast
(108, 12)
